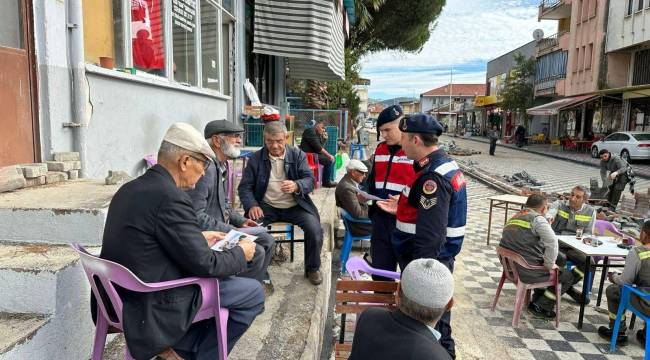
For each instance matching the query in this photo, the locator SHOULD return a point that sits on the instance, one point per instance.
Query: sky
(467, 34)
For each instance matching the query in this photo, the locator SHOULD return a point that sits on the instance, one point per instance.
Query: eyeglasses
(205, 162)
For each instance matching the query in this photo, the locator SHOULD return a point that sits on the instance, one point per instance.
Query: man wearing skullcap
(346, 197)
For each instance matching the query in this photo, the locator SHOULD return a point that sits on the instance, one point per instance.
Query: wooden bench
(355, 296)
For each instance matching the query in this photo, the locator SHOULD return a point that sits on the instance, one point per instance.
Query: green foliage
(517, 94)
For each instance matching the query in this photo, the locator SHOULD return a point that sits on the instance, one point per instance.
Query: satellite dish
(538, 34)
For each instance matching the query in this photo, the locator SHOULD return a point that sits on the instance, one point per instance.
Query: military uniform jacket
(432, 211)
(391, 171)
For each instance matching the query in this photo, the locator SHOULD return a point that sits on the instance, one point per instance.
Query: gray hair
(418, 312)
(170, 151)
(275, 127)
(583, 190)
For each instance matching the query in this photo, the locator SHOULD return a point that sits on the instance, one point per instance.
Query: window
(11, 25)
(639, 6)
(181, 40)
(260, 68)
(577, 60)
(592, 8)
(630, 6)
(585, 9)
(589, 55)
(641, 74)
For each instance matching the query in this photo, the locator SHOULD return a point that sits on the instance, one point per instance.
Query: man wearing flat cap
(391, 171)
(346, 197)
(152, 229)
(209, 197)
(432, 210)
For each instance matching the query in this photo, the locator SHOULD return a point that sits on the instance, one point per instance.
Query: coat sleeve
(200, 195)
(179, 234)
(236, 219)
(312, 139)
(431, 195)
(246, 188)
(305, 179)
(352, 205)
(369, 182)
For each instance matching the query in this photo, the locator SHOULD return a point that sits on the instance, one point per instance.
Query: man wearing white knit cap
(348, 198)
(426, 293)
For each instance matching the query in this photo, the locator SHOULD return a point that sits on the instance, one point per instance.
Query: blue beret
(389, 114)
(421, 123)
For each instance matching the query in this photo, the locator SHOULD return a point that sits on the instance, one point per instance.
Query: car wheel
(594, 151)
(625, 155)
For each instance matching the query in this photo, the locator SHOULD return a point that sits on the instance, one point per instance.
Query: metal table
(606, 250)
(504, 202)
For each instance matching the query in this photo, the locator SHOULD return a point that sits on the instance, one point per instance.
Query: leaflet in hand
(232, 239)
(368, 196)
(253, 230)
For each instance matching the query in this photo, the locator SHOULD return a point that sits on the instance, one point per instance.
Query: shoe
(269, 289)
(640, 337)
(537, 311)
(168, 354)
(577, 296)
(606, 333)
(314, 276)
(330, 184)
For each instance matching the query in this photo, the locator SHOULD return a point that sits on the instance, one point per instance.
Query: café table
(607, 249)
(504, 202)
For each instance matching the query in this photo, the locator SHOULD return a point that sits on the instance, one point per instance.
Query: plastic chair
(348, 238)
(509, 259)
(625, 305)
(109, 313)
(316, 168)
(602, 227)
(357, 265)
(357, 147)
(150, 160)
(289, 230)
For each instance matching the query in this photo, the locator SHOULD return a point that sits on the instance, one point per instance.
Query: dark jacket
(258, 171)
(346, 199)
(209, 199)
(151, 228)
(311, 141)
(384, 334)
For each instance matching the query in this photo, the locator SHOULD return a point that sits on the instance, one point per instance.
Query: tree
(517, 94)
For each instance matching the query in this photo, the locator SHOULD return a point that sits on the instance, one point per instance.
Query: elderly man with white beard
(209, 197)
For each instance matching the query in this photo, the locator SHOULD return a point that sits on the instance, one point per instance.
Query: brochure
(368, 196)
(232, 239)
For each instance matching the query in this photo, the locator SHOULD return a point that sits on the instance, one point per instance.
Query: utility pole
(451, 88)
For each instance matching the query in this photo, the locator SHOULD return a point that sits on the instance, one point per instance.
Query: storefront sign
(184, 13)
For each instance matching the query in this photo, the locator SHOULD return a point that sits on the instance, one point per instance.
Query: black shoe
(537, 311)
(577, 296)
(330, 184)
(640, 337)
(314, 276)
(606, 333)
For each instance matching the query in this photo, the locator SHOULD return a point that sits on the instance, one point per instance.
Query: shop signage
(183, 13)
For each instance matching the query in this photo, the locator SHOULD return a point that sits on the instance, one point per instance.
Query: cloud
(467, 35)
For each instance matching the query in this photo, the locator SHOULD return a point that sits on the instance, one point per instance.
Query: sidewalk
(641, 169)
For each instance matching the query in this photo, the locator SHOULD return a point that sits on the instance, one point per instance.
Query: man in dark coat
(276, 186)
(209, 197)
(313, 141)
(426, 291)
(619, 175)
(151, 229)
(347, 197)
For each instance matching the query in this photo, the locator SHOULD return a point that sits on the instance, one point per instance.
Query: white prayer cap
(187, 137)
(427, 282)
(357, 165)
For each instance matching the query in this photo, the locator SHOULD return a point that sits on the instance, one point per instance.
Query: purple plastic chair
(109, 273)
(150, 160)
(357, 265)
(602, 227)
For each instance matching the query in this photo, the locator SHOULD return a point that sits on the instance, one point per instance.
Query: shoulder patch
(458, 181)
(429, 187)
(428, 202)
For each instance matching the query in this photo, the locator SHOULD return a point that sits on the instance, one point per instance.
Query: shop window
(260, 68)
(209, 46)
(227, 46)
(11, 24)
(184, 41)
(103, 32)
(147, 36)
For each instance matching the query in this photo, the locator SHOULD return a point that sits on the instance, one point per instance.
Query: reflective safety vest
(643, 277)
(518, 236)
(568, 221)
(392, 172)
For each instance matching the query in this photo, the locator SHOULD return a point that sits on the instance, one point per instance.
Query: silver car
(630, 145)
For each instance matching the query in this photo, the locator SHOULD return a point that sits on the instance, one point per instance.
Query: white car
(630, 145)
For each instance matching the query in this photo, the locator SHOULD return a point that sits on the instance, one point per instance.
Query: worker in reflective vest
(391, 172)
(432, 210)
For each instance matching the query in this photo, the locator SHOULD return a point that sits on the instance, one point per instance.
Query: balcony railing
(546, 4)
(548, 43)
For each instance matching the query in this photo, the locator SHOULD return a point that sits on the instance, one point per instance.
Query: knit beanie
(428, 283)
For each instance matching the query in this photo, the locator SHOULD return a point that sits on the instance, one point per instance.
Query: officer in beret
(431, 211)
(391, 172)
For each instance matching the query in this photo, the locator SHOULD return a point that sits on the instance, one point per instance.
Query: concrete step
(56, 214)
(16, 329)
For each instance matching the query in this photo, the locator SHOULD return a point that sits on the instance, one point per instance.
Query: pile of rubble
(451, 148)
(637, 205)
(65, 166)
(522, 179)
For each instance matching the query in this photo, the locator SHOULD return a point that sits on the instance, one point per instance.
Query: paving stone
(36, 181)
(74, 165)
(55, 177)
(11, 178)
(73, 174)
(66, 156)
(34, 170)
(59, 165)
(116, 177)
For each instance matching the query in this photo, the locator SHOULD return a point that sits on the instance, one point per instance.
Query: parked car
(370, 122)
(630, 145)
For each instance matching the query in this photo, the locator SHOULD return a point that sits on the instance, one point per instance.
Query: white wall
(624, 31)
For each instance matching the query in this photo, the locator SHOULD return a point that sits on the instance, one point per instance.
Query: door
(17, 139)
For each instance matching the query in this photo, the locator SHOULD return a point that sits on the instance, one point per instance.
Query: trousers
(613, 294)
(381, 249)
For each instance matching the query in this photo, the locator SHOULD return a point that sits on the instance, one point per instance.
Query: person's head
(388, 124)
(538, 203)
(426, 290)
(275, 138)
(320, 126)
(356, 170)
(579, 196)
(419, 135)
(185, 154)
(604, 155)
(225, 138)
(494, 127)
(645, 233)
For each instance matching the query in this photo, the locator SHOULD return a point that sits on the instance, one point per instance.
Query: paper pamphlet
(368, 196)
(232, 239)
(253, 230)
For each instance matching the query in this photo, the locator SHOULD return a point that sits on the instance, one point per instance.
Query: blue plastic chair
(357, 147)
(590, 275)
(625, 305)
(348, 238)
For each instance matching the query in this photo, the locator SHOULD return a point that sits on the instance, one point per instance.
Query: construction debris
(522, 179)
(451, 148)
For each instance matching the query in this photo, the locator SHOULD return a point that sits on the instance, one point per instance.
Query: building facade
(461, 96)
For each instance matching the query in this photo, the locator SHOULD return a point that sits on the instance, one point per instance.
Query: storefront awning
(485, 100)
(309, 33)
(554, 107)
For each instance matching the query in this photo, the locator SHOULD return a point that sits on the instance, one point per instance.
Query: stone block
(74, 165)
(67, 156)
(59, 165)
(34, 170)
(11, 178)
(117, 177)
(55, 177)
(36, 181)
(73, 174)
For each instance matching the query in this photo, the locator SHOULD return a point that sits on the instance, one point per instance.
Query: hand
(613, 175)
(390, 205)
(610, 277)
(249, 223)
(255, 213)
(361, 198)
(331, 157)
(289, 187)
(212, 237)
(249, 249)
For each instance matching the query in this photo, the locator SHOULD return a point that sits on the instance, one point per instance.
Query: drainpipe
(80, 93)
